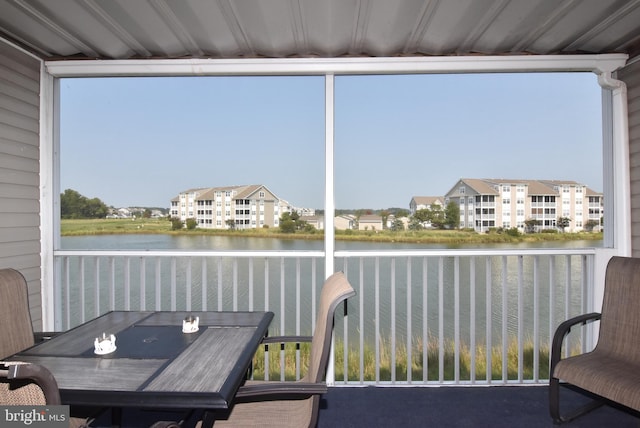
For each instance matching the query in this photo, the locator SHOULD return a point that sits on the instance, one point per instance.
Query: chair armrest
(41, 376)
(40, 336)
(562, 331)
(280, 390)
(286, 339)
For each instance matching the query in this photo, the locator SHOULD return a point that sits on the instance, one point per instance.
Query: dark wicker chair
(23, 384)
(295, 403)
(16, 333)
(612, 370)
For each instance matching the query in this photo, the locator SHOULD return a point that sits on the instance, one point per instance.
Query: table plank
(206, 364)
(231, 319)
(155, 364)
(78, 340)
(98, 374)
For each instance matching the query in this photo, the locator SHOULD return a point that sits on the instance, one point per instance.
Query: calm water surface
(224, 243)
(392, 292)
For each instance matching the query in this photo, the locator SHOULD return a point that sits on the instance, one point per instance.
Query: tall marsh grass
(433, 371)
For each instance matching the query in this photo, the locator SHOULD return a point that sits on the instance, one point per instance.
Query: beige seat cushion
(604, 375)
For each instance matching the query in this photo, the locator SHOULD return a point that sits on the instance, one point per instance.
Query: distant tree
(397, 225)
(591, 224)
(287, 224)
(415, 224)
(74, 205)
(290, 222)
(176, 223)
(399, 212)
(452, 215)
(422, 216)
(530, 225)
(365, 211)
(437, 216)
(70, 204)
(146, 213)
(563, 223)
(385, 216)
(513, 231)
(192, 223)
(308, 228)
(434, 216)
(231, 224)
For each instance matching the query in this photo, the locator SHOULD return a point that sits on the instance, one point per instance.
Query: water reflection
(444, 297)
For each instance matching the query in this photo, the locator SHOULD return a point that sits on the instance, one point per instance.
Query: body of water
(398, 297)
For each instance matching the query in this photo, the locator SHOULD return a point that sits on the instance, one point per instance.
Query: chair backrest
(620, 322)
(334, 291)
(27, 384)
(16, 331)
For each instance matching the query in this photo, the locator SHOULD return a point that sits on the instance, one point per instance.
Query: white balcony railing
(419, 317)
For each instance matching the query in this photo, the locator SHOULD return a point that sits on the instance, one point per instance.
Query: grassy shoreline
(402, 357)
(163, 226)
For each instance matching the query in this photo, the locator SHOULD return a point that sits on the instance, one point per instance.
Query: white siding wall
(631, 76)
(19, 170)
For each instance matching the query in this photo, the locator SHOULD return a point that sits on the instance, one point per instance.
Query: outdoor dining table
(155, 364)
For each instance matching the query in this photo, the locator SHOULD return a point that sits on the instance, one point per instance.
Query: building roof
(480, 186)
(541, 188)
(370, 218)
(249, 190)
(242, 191)
(240, 29)
(488, 186)
(427, 200)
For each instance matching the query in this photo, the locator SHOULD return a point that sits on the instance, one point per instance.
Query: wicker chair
(16, 333)
(23, 384)
(295, 403)
(612, 370)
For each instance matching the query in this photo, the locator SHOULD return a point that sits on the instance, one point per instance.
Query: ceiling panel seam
(118, 30)
(552, 19)
(175, 25)
(422, 26)
(483, 24)
(231, 18)
(298, 28)
(362, 18)
(54, 27)
(603, 24)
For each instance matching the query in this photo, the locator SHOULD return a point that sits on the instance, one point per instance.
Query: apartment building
(493, 203)
(424, 202)
(243, 207)
(370, 222)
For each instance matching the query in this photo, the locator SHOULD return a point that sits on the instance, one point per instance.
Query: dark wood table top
(155, 364)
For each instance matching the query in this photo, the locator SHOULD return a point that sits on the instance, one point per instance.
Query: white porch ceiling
(125, 29)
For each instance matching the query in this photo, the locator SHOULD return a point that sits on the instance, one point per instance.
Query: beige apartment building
(418, 203)
(494, 203)
(245, 207)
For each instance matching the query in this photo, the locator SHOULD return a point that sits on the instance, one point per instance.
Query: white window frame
(614, 106)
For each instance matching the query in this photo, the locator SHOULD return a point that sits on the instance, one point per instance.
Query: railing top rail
(469, 252)
(192, 253)
(340, 253)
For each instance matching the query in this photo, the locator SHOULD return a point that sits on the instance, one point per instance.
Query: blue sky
(140, 141)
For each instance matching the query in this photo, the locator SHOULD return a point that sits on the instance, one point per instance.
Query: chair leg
(554, 405)
(554, 400)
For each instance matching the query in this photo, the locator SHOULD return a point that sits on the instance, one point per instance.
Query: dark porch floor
(496, 406)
